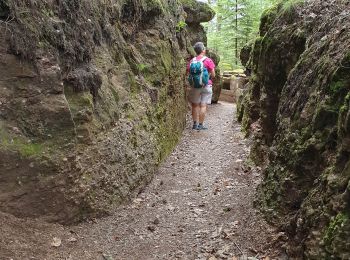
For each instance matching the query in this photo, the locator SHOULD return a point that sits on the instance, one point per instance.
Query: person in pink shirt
(201, 97)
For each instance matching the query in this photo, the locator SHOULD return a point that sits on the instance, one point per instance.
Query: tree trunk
(236, 39)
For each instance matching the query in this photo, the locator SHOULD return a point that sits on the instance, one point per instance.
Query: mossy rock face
(154, 7)
(336, 234)
(92, 94)
(197, 12)
(245, 53)
(267, 18)
(217, 81)
(299, 98)
(272, 56)
(241, 103)
(196, 33)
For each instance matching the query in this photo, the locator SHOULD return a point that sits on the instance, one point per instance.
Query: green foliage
(337, 87)
(334, 228)
(290, 5)
(267, 18)
(142, 67)
(48, 12)
(236, 23)
(155, 6)
(180, 26)
(188, 2)
(30, 149)
(226, 66)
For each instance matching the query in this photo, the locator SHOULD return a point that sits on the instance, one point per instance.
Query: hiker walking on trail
(201, 70)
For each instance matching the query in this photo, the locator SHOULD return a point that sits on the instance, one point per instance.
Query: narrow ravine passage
(199, 206)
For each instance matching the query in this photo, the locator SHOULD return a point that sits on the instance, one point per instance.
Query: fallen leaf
(72, 239)
(56, 242)
(107, 257)
(138, 200)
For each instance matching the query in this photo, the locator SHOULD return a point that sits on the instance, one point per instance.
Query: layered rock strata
(297, 108)
(92, 99)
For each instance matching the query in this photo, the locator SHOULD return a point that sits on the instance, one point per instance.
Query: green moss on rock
(154, 7)
(25, 148)
(197, 12)
(289, 7)
(108, 94)
(267, 18)
(300, 92)
(335, 236)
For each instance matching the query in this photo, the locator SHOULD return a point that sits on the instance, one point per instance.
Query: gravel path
(199, 206)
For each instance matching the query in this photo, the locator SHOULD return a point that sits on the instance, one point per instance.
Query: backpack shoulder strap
(203, 58)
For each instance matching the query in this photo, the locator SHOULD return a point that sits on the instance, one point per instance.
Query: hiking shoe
(195, 127)
(202, 127)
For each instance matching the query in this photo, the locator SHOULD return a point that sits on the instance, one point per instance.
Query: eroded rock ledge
(91, 100)
(297, 107)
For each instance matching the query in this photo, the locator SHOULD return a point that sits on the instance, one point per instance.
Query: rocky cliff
(92, 99)
(197, 13)
(297, 108)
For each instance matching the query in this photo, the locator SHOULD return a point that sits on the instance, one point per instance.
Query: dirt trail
(199, 206)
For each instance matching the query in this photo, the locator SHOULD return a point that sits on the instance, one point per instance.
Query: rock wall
(92, 99)
(217, 81)
(197, 13)
(297, 108)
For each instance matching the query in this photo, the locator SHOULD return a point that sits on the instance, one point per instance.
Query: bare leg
(202, 112)
(195, 112)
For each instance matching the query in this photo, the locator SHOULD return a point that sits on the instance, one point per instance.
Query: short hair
(199, 47)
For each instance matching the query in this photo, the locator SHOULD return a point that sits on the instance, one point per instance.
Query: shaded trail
(198, 206)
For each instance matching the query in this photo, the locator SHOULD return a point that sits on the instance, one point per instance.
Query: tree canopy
(236, 22)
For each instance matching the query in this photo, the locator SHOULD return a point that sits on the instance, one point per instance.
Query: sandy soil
(198, 206)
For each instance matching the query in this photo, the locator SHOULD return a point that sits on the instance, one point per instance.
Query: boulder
(197, 12)
(196, 33)
(217, 82)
